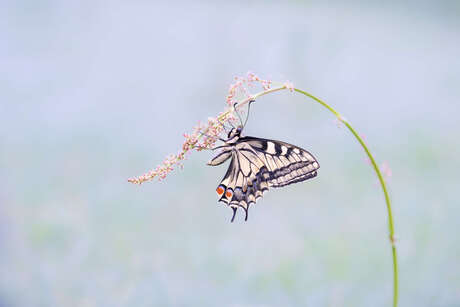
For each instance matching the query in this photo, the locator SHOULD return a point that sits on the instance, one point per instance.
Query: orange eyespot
(220, 190)
(229, 194)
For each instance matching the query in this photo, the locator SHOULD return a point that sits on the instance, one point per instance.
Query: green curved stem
(382, 183)
(371, 158)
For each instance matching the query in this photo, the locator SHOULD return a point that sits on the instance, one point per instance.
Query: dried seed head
(204, 136)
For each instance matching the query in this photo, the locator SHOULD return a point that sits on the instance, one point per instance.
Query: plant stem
(382, 183)
(242, 103)
(371, 158)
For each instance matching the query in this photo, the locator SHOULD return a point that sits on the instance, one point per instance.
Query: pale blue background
(94, 92)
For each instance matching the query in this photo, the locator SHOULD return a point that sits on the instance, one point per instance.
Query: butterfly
(257, 165)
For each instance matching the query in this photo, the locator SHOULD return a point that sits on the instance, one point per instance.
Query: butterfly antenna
(238, 113)
(247, 116)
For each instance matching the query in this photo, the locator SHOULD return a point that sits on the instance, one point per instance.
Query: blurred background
(95, 92)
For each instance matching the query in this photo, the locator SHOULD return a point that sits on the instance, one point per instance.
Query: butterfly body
(259, 164)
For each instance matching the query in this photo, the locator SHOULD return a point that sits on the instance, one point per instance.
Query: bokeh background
(94, 92)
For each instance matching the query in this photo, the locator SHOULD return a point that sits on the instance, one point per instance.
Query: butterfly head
(235, 132)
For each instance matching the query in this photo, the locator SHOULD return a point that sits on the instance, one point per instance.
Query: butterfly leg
(212, 137)
(217, 147)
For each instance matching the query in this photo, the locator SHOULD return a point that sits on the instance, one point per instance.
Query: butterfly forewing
(286, 163)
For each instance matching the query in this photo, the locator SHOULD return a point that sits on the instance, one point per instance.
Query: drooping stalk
(371, 158)
(382, 184)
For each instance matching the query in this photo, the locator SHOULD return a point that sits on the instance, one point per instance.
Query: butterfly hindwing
(258, 164)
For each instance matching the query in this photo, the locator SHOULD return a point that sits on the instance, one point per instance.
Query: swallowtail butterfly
(257, 165)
